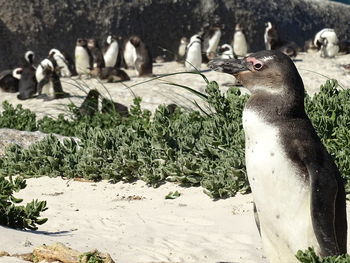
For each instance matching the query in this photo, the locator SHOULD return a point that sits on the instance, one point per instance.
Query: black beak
(230, 66)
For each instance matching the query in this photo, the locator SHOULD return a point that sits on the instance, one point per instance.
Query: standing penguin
(181, 53)
(27, 86)
(270, 37)
(143, 62)
(62, 62)
(111, 54)
(98, 61)
(327, 41)
(239, 43)
(83, 60)
(194, 54)
(297, 188)
(129, 54)
(49, 83)
(211, 42)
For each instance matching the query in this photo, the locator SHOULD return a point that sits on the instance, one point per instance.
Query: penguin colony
(43, 80)
(282, 151)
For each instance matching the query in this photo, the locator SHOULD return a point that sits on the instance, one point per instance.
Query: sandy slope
(109, 217)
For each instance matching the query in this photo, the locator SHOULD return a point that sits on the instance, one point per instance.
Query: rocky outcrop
(41, 25)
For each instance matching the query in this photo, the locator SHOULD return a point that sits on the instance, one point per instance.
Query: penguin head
(135, 41)
(109, 40)
(268, 71)
(184, 41)
(92, 43)
(81, 42)
(16, 73)
(29, 56)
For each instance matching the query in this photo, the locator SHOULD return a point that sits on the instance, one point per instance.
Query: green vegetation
(309, 256)
(18, 216)
(186, 147)
(192, 148)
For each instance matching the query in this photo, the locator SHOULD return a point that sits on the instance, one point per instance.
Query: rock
(42, 25)
(4, 254)
(22, 138)
(61, 253)
(56, 252)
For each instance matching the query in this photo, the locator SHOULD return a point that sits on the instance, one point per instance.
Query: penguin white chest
(130, 55)
(240, 44)
(82, 60)
(281, 192)
(111, 54)
(193, 57)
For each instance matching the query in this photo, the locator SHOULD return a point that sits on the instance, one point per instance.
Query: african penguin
(211, 40)
(327, 42)
(296, 186)
(181, 53)
(27, 86)
(62, 62)
(226, 52)
(143, 62)
(83, 59)
(129, 54)
(273, 42)
(194, 54)
(239, 43)
(49, 83)
(9, 80)
(113, 74)
(270, 36)
(111, 54)
(98, 61)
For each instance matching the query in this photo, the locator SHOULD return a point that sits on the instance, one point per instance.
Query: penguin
(211, 40)
(83, 59)
(62, 62)
(112, 52)
(143, 62)
(273, 42)
(27, 85)
(226, 51)
(309, 46)
(129, 55)
(9, 80)
(327, 42)
(239, 43)
(270, 37)
(297, 188)
(49, 83)
(98, 61)
(113, 74)
(109, 106)
(90, 105)
(194, 54)
(181, 53)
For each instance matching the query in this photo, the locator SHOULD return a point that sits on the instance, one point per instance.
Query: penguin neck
(278, 106)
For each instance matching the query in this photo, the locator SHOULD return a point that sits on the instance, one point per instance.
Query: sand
(135, 223)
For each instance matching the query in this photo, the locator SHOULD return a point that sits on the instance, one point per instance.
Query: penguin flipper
(328, 208)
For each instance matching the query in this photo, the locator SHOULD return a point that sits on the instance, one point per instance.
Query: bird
(297, 188)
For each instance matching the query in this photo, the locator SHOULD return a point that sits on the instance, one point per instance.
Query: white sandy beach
(135, 223)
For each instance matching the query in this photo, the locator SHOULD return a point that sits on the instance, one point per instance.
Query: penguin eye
(258, 66)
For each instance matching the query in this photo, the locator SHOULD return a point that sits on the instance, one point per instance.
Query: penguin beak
(230, 66)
